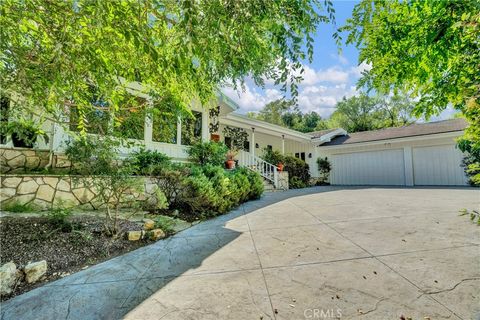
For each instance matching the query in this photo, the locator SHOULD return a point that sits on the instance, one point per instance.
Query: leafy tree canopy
(358, 113)
(83, 53)
(285, 113)
(427, 47)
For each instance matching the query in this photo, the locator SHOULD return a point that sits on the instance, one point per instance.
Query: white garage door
(437, 166)
(385, 167)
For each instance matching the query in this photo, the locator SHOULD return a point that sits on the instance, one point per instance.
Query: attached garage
(419, 154)
(437, 166)
(383, 167)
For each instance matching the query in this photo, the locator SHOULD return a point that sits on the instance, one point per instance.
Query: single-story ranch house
(419, 154)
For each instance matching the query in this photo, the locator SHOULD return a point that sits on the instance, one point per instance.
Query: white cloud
(319, 91)
(340, 58)
(251, 99)
(322, 99)
(333, 75)
(357, 71)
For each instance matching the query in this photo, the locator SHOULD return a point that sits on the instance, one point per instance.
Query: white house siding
(426, 160)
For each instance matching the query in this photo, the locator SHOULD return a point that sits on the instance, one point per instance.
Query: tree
(285, 113)
(358, 113)
(397, 110)
(427, 47)
(274, 111)
(85, 53)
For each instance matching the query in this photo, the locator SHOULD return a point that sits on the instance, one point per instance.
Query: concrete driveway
(318, 253)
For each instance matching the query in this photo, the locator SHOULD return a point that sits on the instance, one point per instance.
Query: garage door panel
(385, 167)
(438, 165)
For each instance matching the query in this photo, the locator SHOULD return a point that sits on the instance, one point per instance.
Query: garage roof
(413, 130)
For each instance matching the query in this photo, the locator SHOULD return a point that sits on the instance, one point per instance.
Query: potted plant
(230, 163)
(280, 166)
(24, 133)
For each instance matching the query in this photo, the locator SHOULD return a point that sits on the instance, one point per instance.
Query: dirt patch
(30, 239)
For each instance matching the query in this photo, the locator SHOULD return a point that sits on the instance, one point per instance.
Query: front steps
(269, 187)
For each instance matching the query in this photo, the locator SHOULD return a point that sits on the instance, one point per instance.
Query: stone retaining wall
(44, 192)
(20, 160)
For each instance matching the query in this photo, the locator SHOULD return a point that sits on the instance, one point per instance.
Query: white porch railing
(254, 163)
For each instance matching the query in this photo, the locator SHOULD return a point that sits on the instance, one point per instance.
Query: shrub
(256, 183)
(471, 165)
(273, 157)
(298, 172)
(113, 183)
(16, 206)
(324, 168)
(147, 162)
(171, 181)
(211, 152)
(58, 218)
(167, 224)
(205, 191)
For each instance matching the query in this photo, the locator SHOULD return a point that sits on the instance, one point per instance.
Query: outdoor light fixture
(310, 155)
(257, 146)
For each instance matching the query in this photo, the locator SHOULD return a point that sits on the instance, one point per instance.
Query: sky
(330, 77)
(327, 79)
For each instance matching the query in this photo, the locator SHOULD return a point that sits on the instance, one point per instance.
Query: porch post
(205, 129)
(253, 141)
(148, 130)
(179, 131)
(283, 144)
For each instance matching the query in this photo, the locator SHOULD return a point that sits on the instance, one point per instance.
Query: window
(96, 119)
(228, 142)
(246, 145)
(269, 147)
(130, 119)
(300, 155)
(164, 128)
(4, 106)
(192, 129)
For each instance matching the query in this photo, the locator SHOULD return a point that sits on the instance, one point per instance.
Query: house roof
(318, 134)
(413, 130)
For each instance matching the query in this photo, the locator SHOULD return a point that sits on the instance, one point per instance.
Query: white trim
(238, 120)
(453, 134)
(329, 136)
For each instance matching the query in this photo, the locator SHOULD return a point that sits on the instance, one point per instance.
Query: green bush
(211, 152)
(206, 191)
(167, 224)
(324, 168)
(146, 162)
(298, 172)
(256, 183)
(273, 157)
(58, 217)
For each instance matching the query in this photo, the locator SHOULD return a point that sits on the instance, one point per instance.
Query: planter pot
(230, 164)
(280, 167)
(20, 143)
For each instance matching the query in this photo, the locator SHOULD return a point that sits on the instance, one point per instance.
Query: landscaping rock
(34, 271)
(134, 235)
(45, 192)
(8, 277)
(148, 224)
(11, 182)
(156, 234)
(27, 187)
